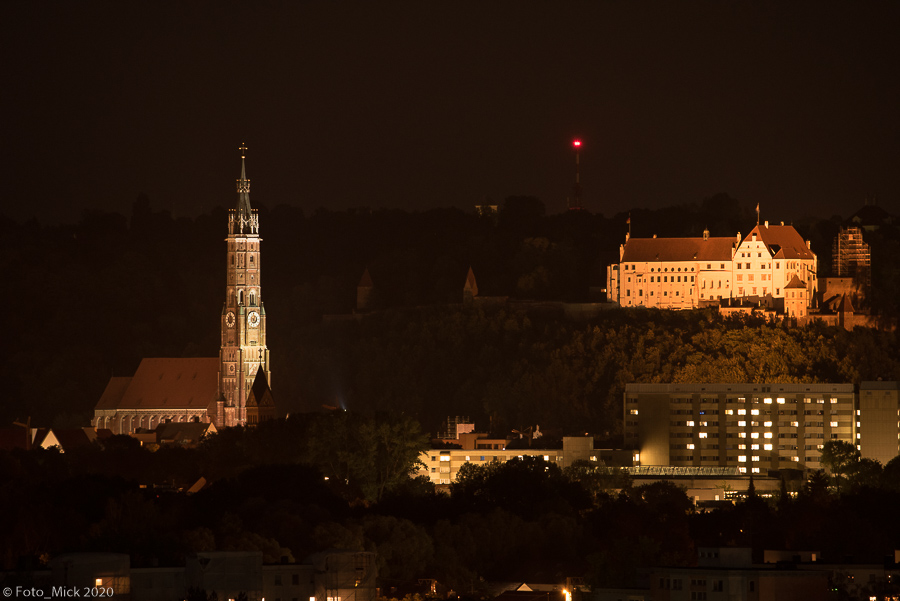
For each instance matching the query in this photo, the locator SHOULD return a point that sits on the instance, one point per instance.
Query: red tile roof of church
(191, 383)
(113, 394)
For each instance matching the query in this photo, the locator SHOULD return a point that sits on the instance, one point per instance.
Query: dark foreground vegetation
(521, 520)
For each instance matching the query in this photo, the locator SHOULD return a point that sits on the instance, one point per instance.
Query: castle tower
(244, 350)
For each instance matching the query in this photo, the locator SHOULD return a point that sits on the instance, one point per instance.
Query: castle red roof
(678, 249)
(784, 241)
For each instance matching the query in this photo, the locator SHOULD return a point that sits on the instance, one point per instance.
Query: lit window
(767, 401)
(834, 424)
(690, 447)
(755, 458)
(767, 424)
(729, 412)
(795, 424)
(593, 458)
(546, 457)
(742, 424)
(754, 435)
(742, 412)
(742, 458)
(754, 412)
(755, 470)
(767, 447)
(742, 447)
(795, 459)
(754, 447)
(468, 458)
(633, 411)
(703, 435)
(742, 470)
(767, 435)
(98, 582)
(445, 457)
(691, 424)
(742, 435)
(781, 401)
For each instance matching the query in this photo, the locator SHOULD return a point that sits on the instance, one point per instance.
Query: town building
(728, 573)
(752, 427)
(335, 575)
(879, 420)
(442, 466)
(687, 273)
(229, 390)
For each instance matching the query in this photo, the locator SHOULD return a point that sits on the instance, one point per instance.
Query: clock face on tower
(254, 319)
(229, 319)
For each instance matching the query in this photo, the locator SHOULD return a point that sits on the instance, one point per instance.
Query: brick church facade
(232, 389)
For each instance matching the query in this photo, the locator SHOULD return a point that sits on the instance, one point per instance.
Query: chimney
(739, 238)
(767, 224)
(627, 236)
(705, 234)
(809, 244)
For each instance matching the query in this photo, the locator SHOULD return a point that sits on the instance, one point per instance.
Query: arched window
(240, 298)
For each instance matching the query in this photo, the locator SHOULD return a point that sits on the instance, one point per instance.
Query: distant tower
(364, 292)
(575, 203)
(244, 351)
(470, 288)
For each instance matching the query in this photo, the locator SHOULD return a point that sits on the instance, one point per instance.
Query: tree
(840, 458)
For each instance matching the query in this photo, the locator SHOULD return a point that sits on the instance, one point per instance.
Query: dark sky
(430, 104)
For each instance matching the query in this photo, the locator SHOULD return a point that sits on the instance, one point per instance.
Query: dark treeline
(525, 519)
(94, 298)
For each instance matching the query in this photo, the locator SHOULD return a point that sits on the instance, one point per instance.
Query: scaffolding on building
(850, 254)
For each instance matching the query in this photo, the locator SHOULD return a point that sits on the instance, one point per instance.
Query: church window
(232, 259)
(251, 259)
(252, 298)
(240, 297)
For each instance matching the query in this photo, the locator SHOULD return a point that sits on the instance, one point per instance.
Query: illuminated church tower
(244, 353)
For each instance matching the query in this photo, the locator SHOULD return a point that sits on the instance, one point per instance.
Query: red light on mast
(576, 143)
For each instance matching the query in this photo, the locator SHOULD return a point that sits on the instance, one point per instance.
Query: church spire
(245, 216)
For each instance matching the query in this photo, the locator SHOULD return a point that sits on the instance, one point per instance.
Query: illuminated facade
(754, 427)
(441, 466)
(686, 273)
(243, 322)
(229, 390)
(879, 420)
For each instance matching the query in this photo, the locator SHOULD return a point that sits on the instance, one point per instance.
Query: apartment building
(878, 421)
(754, 427)
(442, 465)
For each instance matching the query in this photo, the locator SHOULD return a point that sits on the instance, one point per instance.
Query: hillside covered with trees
(94, 298)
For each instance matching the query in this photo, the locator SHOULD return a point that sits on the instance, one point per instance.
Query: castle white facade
(686, 273)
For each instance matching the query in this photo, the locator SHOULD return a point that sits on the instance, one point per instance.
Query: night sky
(794, 105)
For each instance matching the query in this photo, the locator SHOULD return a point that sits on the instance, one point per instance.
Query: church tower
(244, 351)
